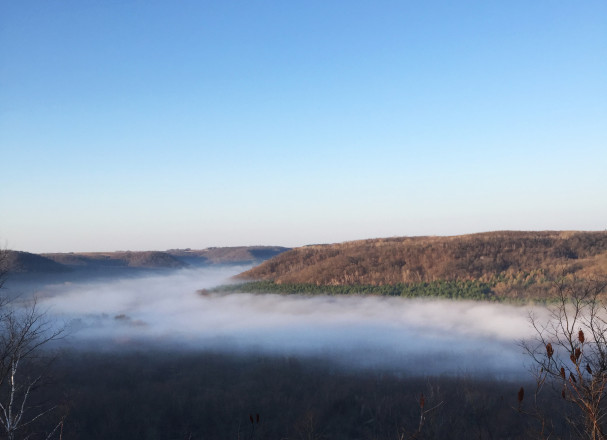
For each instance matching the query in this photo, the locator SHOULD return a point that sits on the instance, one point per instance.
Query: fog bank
(422, 336)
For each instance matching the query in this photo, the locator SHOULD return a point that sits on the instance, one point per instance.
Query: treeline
(473, 290)
(513, 262)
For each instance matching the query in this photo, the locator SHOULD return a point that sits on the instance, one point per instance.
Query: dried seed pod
(563, 393)
(251, 418)
(572, 357)
(422, 401)
(549, 350)
(562, 372)
(521, 395)
(580, 336)
(572, 378)
(578, 353)
(588, 369)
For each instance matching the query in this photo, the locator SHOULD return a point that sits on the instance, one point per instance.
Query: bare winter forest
(162, 353)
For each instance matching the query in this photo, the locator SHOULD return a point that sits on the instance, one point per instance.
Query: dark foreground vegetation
(177, 395)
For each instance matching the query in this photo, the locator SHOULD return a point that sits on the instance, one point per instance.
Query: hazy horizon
(278, 245)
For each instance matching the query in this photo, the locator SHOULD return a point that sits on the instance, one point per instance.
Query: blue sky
(159, 124)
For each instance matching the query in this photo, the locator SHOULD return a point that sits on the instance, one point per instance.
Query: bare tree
(24, 330)
(570, 351)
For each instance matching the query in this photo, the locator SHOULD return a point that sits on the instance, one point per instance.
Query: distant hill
(223, 255)
(508, 259)
(147, 259)
(22, 262)
(25, 262)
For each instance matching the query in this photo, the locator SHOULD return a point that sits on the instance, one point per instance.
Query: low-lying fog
(419, 336)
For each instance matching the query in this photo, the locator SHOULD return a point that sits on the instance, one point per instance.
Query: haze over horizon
(132, 125)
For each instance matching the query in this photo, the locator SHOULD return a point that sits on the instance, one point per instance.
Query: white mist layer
(423, 336)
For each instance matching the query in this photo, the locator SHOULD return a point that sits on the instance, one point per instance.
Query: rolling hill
(228, 255)
(100, 260)
(25, 262)
(507, 260)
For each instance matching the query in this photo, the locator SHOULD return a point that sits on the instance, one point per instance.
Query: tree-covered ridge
(509, 260)
(26, 262)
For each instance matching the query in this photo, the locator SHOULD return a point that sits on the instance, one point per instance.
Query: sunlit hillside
(507, 259)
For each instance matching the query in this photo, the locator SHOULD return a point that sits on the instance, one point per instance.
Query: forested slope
(508, 260)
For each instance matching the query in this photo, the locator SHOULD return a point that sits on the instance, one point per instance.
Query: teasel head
(572, 357)
(562, 372)
(578, 353)
(549, 350)
(572, 378)
(580, 336)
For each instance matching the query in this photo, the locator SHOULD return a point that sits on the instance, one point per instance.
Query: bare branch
(570, 349)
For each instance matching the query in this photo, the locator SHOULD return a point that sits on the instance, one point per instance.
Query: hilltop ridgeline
(508, 257)
(25, 262)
